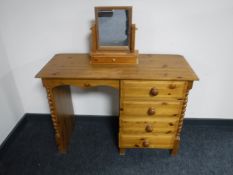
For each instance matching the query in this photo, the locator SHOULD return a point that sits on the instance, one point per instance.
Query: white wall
(33, 31)
(11, 109)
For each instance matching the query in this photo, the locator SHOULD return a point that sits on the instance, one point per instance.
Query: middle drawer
(151, 108)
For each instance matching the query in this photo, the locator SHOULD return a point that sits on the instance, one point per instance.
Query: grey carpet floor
(204, 150)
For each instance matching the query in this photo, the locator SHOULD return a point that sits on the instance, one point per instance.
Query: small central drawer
(151, 108)
(153, 89)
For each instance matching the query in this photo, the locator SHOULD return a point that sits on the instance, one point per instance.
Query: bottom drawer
(165, 141)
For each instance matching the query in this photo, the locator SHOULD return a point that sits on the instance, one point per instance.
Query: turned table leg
(122, 151)
(62, 115)
(180, 125)
(176, 147)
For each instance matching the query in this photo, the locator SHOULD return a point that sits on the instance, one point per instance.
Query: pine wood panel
(62, 115)
(80, 83)
(164, 141)
(141, 108)
(149, 67)
(141, 89)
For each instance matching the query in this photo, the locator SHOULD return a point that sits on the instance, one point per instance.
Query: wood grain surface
(149, 67)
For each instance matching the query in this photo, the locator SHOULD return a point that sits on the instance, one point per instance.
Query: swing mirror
(113, 27)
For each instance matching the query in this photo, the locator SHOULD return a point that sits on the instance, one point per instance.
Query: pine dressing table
(153, 97)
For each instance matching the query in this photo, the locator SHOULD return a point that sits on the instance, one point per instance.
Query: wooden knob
(87, 85)
(172, 86)
(149, 128)
(151, 111)
(154, 91)
(145, 143)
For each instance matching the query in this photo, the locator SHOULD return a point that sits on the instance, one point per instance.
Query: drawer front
(143, 126)
(165, 141)
(81, 83)
(153, 89)
(151, 108)
(114, 59)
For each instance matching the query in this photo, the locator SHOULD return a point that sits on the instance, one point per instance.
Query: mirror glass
(113, 27)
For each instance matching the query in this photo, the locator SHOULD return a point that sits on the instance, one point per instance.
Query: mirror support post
(132, 38)
(93, 38)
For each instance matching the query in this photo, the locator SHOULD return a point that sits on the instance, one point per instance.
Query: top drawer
(153, 89)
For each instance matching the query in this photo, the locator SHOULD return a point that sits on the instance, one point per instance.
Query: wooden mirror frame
(115, 48)
(113, 54)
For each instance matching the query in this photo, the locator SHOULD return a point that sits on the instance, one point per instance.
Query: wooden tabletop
(150, 67)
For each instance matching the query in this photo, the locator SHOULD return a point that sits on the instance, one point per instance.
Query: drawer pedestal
(152, 113)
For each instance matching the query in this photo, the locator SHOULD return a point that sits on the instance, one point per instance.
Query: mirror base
(114, 57)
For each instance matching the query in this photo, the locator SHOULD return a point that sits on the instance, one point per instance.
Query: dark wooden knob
(149, 128)
(145, 143)
(172, 86)
(151, 111)
(154, 91)
(87, 85)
